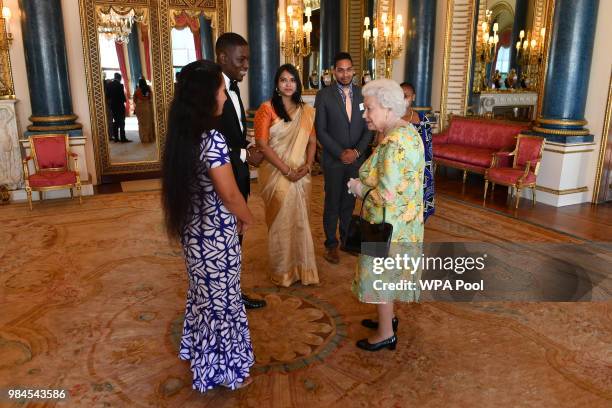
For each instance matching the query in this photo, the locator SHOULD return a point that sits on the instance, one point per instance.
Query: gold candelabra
(7, 88)
(6, 17)
(486, 50)
(295, 36)
(389, 45)
(529, 53)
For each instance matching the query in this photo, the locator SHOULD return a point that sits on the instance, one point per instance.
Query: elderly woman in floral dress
(391, 180)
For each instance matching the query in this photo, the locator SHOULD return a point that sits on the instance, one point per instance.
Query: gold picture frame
(161, 64)
(459, 35)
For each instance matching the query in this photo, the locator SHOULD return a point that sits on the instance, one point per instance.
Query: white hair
(388, 93)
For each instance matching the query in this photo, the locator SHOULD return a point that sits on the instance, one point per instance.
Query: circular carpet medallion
(294, 330)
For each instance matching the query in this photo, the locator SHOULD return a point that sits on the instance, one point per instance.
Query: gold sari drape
(290, 245)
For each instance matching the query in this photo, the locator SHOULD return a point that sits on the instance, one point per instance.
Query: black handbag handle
(363, 201)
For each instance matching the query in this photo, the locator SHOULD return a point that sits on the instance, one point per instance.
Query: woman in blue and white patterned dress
(205, 210)
(421, 123)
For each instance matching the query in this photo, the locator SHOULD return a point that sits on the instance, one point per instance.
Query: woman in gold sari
(144, 112)
(284, 130)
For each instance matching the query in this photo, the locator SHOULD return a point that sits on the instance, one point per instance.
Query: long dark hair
(144, 87)
(192, 113)
(277, 99)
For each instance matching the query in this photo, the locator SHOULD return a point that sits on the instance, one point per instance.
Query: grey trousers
(339, 204)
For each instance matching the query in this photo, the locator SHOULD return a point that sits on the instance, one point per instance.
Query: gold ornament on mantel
(5, 196)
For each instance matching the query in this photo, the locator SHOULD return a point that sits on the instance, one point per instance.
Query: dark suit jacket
(116, 96)
(334, 130)
(229, 126)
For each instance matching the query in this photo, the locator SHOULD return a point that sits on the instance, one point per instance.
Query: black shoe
(250, 303)
(126, 141)
(389, 343)
(373, 324)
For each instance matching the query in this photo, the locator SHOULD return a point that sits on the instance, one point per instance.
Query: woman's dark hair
(408, 85)
(192, 112)
(277, 100)
(144, 87)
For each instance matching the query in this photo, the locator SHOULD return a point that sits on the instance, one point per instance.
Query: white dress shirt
(234, 97)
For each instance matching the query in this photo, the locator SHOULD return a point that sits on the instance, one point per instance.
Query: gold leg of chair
(29, 193)
(518, 197)
(484, 199)
(533, 196)
(464, 176)
(80, 194)
(71, 193)
(492, 187)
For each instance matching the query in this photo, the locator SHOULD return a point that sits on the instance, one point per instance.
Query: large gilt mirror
(495, 57)
(508, 52)
(133, 49)
(125, 66)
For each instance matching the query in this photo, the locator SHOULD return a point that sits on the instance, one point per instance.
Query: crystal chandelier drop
(116, 23)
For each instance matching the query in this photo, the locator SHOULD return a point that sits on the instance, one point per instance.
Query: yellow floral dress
(394, 173)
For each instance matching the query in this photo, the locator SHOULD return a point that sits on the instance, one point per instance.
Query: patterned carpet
(92, 299)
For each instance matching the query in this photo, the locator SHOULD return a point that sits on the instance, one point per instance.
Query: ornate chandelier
(115, 23)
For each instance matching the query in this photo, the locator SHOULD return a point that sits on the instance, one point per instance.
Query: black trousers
(244, 185)
(339, 204)
(119, 124)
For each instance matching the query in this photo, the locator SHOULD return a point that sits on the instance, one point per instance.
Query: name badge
(361, 107)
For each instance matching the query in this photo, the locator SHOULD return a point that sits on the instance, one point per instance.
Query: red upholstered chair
(523, 170)
(51, 154)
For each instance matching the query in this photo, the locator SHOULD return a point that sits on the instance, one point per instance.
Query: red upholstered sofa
(469, 144)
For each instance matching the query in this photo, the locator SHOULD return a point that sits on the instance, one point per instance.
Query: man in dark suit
(233, 56)
(345, 138)
(116, 96)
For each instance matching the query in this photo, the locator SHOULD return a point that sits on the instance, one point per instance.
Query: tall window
(108, 57)
(183, 48)
(503, 60)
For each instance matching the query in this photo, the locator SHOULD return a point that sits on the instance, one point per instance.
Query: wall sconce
(6, 16)
(384, 40)
(295, 34)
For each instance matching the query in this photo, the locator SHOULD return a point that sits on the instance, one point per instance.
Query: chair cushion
(508, 175)
(52, 178)
(50, 151)
(478, 156)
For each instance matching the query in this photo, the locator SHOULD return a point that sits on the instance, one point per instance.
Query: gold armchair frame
(520, 183)
(33, 156)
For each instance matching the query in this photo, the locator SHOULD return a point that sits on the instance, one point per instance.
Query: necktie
(348, 103)
(234, 88)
